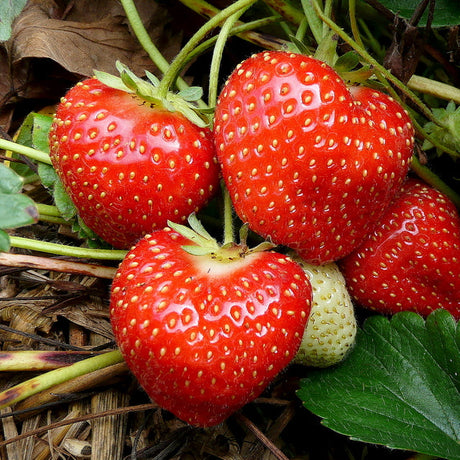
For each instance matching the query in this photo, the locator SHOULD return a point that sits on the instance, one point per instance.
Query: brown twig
(59, 265)
(260, 436)
(108, 413)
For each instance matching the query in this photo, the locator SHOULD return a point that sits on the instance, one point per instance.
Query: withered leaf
(78, 46)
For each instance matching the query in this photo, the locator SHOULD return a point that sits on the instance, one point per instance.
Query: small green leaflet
(400, 387)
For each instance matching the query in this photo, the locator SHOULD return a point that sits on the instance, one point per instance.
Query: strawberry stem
(354, 23)
(29, 152)
(218, 52)
(64, 250)
(44, 381)
(145, 41)
(207, 10)
(239, 31)
(434, 88)
(177, 64)
(229, 231)
(377, 66)
(49, 213)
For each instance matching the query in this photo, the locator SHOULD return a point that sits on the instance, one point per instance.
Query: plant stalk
(177, 64)
(44, 381)
(64, 250)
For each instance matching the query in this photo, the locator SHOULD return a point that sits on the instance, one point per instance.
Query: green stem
(177, 64)
(207, 10)
(145, 41)
(64, 250)
(229, 231)
(52, 219)
(46, 209)
(377, 66)
(354, 23)
(217, 55)
(431, 178)
(238, 30)
(29, 152)
(49, 379)
(434, 88)
(51, 214)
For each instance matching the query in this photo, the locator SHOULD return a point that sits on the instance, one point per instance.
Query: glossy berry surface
(309, 163)
(202, 336)
(129, 167)
(412, 259)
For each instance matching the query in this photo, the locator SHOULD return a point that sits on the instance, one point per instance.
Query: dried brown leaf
(93, 36)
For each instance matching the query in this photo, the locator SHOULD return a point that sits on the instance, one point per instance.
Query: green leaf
(63, 201)
(446, 12)
(9, 10)
(10, 182)
(347, 62)
(191, 94)
(399, 387)
(17, 210)
(33, 132)
(47, 174)
(40, 130)
(4, 241)
(111, 80)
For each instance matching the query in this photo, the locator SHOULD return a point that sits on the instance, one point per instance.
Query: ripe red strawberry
(308, 162)
(412, 259)
(127, 164)
(205, 334)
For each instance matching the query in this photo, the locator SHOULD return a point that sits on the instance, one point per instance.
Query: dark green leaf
(48, 175)
(4, 241)
(446, 12)
(63, 201)
(16, 210)
(10, 182)
(9, 10)
(399, 387)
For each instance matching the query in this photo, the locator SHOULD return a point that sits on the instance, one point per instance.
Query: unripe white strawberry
(331, 329)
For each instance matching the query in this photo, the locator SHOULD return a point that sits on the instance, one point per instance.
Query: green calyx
(183, 102)
(206, 245)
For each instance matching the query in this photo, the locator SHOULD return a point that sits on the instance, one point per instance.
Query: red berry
(412, 259)
(205, 336)
(309, 163)
(129, 166)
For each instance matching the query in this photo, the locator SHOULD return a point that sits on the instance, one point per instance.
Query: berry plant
(230, 230)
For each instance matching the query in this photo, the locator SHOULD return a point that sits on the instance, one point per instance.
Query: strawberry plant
(327, 131)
